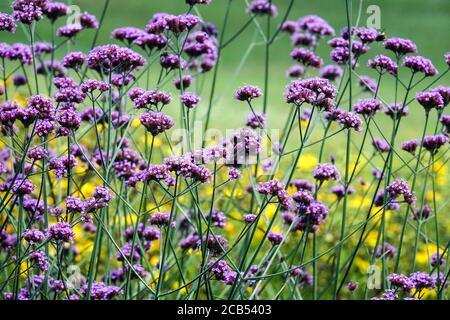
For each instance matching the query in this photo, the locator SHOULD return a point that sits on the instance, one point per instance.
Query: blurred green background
(425, 22)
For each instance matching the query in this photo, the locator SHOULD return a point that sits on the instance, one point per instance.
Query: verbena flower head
(444, 92)
(33, 236)
(306, 57)
(160, 219)
(340, 55)
(69, 31)
(340, 191)
(383, 64)
(127, 34)
(194, 2)
(420, 64)
(215, 244)
(275, 238)
(37, 153)
(381, 145)
(55, 10)
(410, 146)
(400, 46)
(74, 60)
(434, 143)
(171, 61)
(304, 39)
(326, 171)
(367, 35)
(151, 41)
(352, 286)
(185, 82)
(422, 213)
(17, 52)
(315, 25)
(311, 216)
(447, 58)
(217, 218)
(349, 120)
(262, 7)
(313, 91)
(367, 107)
(28, 11)
(401, 187)
(445, 120)
(113, 57)
(88, 21)
(256, 120)
(189, 100)
(101, 291)
(7, 23)
(437, 259)
(40, 260)
(295, 71)
(401, 281)
(430, 100)
(61, 231)
(249, 218)
(241, 145)
(331, 72)
(156, 122)
(395, 110)
(247, 93)
(303, 184)
(422, 280)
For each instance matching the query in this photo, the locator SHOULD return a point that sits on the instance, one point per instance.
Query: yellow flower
(307, 162)
(135, 123)
(154, 261)
(229, 228)
(270, 210)
(372, 239)
(357, 201)
(361, 264)
(21, 100)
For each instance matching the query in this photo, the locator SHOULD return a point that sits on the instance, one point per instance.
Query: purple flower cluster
(326, 171)
(7, 23)
(114, 58)
(400, 46)
(262, 7)
(434, 143)
(74, 60)
(222, 272)
(61, 231)
(420, 64)
(381, 145)
(317, 91)
(55, 10)
(148, 99)
(306, 57)
(256, 120)
(367, 107)
(277, 189)
(156, 122)
(383, 64)
(331, 72)
(401, 187)
(189, 100)
(247, 93)
(28, 11)
(315, 25)
(217, 218)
